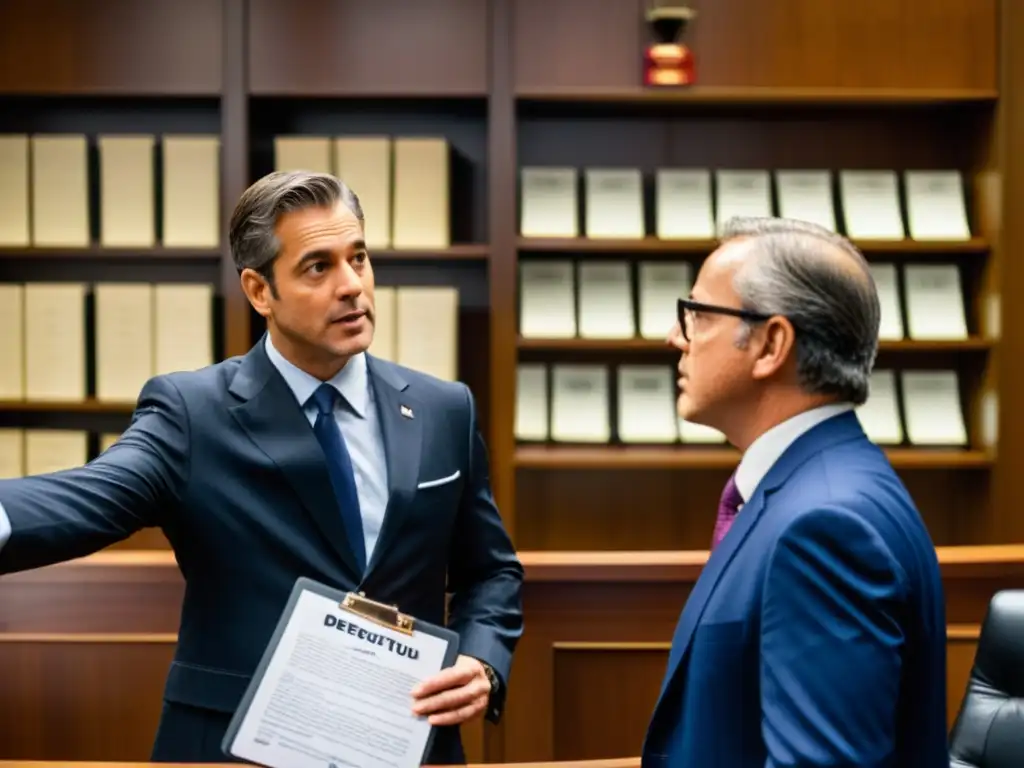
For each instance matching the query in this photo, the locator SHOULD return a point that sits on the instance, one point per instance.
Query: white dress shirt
(357, 419)
(5, 527)
(766, 450)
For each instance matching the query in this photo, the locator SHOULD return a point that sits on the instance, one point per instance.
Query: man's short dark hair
(253, 242)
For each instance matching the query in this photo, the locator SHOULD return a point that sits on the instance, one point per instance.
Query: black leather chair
(989, 729)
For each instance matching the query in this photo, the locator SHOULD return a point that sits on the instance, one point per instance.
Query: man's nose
(348, 283)
(675, 336)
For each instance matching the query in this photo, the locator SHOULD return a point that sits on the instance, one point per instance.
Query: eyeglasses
(686, 310)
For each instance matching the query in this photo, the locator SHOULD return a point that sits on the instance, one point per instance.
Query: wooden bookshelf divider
(510, 83)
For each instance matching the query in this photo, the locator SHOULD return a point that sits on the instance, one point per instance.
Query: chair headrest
(1000, 657)
(987, 732)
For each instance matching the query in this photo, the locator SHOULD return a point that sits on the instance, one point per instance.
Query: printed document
(335, 689)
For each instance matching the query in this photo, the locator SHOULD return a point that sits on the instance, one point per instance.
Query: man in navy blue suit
(815, 635)
(305, 457)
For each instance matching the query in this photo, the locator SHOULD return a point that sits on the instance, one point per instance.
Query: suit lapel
(401, 418)
(831, 432)
(275, 422)
(716, 564)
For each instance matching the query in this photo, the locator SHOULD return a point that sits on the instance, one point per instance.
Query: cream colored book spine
(422, 210)
(303, 153)
(55, 342)
(127, 192)
(60, 191)
(183, 329)
(364, 164)
(124, 340)
(12, 341)
(191, 191)
(14, 191)
(427, 330)
(54, 450)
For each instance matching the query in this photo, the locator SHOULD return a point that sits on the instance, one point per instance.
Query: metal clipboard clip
(379, 613)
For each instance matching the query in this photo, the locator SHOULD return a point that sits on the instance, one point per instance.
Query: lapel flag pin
(406, 411)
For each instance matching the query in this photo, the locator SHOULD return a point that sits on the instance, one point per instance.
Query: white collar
(352, 381)
(766, 450)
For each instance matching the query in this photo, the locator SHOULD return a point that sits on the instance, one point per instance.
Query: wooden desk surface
(626, 762)
(160, 565)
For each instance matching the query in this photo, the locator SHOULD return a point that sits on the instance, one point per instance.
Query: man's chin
(685, 408)
(352, 344)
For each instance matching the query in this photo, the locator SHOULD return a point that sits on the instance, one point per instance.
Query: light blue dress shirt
(357, 419)
(360, 426)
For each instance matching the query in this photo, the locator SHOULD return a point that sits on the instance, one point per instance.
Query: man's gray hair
(797, 269)
(251, 233)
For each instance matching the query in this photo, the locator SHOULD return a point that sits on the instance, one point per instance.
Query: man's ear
(777, 342)
(257, 290)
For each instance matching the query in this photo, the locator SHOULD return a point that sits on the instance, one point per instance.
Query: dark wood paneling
(921, 44)
(635, 510)
(78, 699)
(604, 694)
(144, 540)
(114, 47)
(1008, 224)
(108, 593)
(674, 509)
(368, 47)
(808, 137)
(234, 171)
(585, 614)
(960, 651)
(578, 615)
(96, 114)
(502, 265)
(584, 43)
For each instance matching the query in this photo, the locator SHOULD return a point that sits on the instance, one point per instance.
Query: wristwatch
(492, 676)
(493, 698)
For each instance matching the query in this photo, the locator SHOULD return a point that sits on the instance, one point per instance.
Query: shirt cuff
(5, 527)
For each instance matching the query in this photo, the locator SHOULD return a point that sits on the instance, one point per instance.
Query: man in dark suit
(305, 457)
(815, 635)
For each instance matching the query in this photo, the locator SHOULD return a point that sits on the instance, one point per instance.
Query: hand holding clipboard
(334, 685)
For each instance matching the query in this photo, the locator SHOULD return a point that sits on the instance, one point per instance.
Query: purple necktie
(728, 506)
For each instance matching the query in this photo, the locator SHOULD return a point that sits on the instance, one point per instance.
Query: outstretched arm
(73, 513)
(830, 644)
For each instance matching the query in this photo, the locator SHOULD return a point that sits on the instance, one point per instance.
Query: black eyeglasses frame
(688, 305)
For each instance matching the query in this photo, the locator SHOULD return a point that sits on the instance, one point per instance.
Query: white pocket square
(440, 480)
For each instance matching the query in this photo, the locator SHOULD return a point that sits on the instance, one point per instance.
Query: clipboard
(357, 604)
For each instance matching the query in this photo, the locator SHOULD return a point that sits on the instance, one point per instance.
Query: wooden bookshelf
(812, 101)
(63, 406)
(652, 245)
(970, 344)
(575, 107)
(512, 83)
(467, 252)
(623, 457)
(100, 253)
(741, 96)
